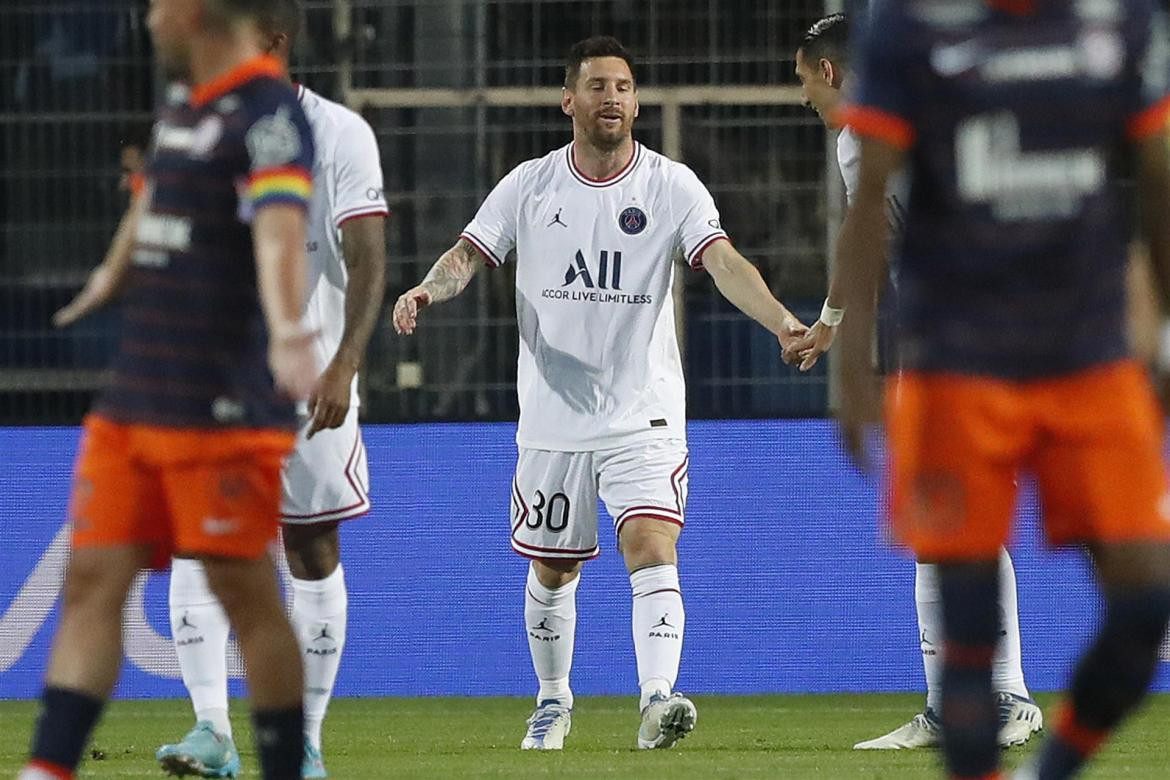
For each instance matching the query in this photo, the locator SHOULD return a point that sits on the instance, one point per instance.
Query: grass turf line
(741, 736)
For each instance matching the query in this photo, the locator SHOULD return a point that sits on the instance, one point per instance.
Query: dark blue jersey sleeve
(881, 104)
(280, 150)
(1150, 82)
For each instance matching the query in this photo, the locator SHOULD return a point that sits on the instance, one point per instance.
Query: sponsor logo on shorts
(220, 526)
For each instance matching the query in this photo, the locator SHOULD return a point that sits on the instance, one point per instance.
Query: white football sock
(928, 602)
(550, 621)
(1007, 673)
(200, 628)
(319, 614)
(658, 621)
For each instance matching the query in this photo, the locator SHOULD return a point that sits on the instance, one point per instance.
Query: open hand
(407, 308)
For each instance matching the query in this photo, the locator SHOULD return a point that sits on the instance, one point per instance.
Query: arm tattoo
(452, 272)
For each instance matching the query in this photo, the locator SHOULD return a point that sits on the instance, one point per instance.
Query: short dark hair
(597, 46)
(827, 38)
(286, 16)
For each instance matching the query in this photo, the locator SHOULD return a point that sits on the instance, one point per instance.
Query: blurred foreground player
(1014, 119)
(325, 479)
(596, 227)
(183, 450)
(822, 65)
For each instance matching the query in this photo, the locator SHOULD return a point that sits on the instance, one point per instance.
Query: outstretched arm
(741, 283)
(448, 277)
(105, 282)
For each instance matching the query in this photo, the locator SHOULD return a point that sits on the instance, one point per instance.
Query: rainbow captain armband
(279, 185)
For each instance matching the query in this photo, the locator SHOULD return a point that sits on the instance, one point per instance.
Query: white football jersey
(849, 161)
(599, 360)
(347, 183)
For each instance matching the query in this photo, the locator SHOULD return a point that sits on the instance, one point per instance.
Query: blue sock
(970, 596)
(1111, 679)
(280, 742)
(64, 726)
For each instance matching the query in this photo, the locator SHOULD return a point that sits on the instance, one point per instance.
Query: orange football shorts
(183, 490)
(1093, 441)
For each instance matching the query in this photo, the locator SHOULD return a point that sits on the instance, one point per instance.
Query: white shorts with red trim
(326, 478)
(554, 494)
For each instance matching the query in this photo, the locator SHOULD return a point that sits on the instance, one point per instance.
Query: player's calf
(971, 621)
(247, 589)
(1111, 679)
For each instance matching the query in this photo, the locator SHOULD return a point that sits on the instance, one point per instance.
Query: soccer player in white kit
(596, 226)
(325, 480)
(822, 67)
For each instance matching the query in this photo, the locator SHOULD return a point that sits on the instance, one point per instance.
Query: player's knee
(96, 584)
(554, 573)
(645, 541)
(313, 552)
(246, 589)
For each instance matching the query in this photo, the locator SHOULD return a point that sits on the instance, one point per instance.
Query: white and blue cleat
(313, 766)
(548, 726)
(666, 720)
(202, 753)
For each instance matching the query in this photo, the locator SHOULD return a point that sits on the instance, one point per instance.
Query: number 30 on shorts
(551, 512)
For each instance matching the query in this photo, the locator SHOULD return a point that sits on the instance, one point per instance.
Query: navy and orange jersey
(193, 349)
(1017, 116)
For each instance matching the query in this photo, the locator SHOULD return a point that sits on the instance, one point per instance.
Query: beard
(607, 139)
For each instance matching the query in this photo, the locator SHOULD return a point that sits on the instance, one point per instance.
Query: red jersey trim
(875, 123)
(589, 181)
(696, 261)
(489, 256)
(349, 216)
(1015, 7)
(1149, 120)
(264, 65)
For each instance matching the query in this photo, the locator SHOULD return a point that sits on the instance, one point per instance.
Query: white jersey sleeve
(493, 230)
(357, 174)
(848, 160)
(695, 214)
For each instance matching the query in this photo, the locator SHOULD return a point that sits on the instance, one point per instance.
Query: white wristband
(1162, 358)
(830, 316)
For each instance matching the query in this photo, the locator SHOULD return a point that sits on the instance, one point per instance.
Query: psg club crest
(632, 221)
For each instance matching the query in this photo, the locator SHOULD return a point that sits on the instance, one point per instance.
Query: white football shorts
(326, 478)
(554, 494)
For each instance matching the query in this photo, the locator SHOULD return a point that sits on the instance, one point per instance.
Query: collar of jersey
(264, 65)
(614, 179)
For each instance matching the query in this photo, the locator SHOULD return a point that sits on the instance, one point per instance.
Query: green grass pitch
(749, 736)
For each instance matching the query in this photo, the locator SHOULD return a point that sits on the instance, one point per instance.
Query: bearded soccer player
(325, 480)
(596, 226)
(822, 65)
(182, 452)
(1014, 119)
